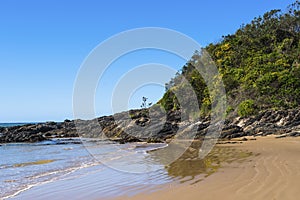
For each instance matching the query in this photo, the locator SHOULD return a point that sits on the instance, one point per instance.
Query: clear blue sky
(43, 43)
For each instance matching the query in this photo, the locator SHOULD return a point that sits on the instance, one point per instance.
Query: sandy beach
(265, 168)
(273, 172)
(153, 100)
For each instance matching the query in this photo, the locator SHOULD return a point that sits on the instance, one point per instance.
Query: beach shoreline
(256, 168)
(272, 173)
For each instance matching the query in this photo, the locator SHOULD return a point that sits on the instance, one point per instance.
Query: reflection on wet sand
(189, 166)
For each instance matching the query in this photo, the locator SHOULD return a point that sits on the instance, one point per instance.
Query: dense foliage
(259, 65)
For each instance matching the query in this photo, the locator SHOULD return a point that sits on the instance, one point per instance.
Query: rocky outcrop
(37, 132)
(282, 122)
(139, 125)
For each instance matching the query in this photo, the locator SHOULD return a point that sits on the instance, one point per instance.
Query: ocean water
(14, 124)
(26, 166)
(81, 168)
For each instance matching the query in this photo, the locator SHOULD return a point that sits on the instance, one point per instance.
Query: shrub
(229, 109)
(247, 108)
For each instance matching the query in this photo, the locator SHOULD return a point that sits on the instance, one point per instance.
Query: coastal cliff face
(138, 126)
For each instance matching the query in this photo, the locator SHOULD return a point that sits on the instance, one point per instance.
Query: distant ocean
(15, 124)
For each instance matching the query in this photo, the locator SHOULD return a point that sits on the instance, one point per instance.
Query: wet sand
(103, 182)
(272, 172)
(265, 168)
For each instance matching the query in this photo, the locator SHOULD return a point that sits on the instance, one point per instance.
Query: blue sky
(43, 43)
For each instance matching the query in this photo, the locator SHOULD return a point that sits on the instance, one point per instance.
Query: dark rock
(294, 134)
(137, 125)
(232, 131)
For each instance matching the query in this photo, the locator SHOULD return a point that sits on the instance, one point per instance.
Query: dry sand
(273, 174)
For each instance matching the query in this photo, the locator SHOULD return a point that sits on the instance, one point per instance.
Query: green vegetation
(246, 108)
(259, 66)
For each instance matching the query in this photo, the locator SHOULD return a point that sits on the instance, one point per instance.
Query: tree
(260, 62)
(144, 103)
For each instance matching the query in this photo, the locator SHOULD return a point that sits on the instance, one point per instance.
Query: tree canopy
(259, 65)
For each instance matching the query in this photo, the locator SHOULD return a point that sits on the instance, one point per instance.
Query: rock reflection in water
(189, 166)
